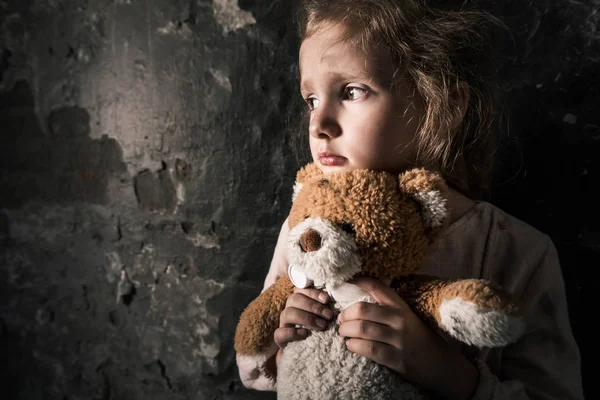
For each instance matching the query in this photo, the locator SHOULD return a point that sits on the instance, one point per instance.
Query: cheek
(375, 134)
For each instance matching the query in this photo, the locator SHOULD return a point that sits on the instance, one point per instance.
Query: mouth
(331, 160)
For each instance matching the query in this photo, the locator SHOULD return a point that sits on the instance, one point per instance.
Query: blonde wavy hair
(440, 49)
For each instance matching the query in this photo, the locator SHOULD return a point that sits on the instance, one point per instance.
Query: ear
(427, 189)
(307, 172)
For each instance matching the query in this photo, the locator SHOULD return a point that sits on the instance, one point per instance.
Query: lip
(331, 160)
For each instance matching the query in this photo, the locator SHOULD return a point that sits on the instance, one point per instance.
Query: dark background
(145, 171)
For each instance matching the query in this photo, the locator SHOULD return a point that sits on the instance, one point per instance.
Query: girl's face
(357, 121)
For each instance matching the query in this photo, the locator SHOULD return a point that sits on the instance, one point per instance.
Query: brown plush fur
(389, 231)
(391, 240)
(389, 234)
(254, 333)
(419, 180)
(424, 294)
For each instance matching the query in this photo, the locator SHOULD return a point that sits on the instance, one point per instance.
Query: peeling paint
(210, 241)
(211, 287)
(229, 15)
(570, 119)
(179, 29)
(180, 192)
(202, 329)
(115, 266)
(221, 78)
(209, 352)
(125, 289)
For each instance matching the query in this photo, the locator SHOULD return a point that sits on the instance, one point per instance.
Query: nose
(323, 122)
(310, 241)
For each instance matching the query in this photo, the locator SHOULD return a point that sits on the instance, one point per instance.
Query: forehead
(329, 53)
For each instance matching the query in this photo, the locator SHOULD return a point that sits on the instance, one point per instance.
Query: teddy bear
(376, 224)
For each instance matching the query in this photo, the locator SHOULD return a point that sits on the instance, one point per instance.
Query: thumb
(382, 293)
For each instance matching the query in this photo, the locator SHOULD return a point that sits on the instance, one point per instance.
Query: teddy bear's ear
(427, 189)
(307, 172)
(297, 189)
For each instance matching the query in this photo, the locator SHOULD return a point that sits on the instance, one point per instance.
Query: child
(390, 85)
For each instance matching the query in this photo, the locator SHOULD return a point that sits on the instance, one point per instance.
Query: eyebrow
(338, 76)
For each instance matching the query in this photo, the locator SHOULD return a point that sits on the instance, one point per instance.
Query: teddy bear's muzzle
(310, 241)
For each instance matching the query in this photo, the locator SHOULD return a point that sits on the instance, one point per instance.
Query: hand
(307, 308)
(391, 334)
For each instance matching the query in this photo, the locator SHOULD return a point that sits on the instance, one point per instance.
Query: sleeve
(251, 376)
(279, 263)
(545, 363)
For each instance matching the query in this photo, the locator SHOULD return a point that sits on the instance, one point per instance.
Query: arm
(279, 263)
(254, 343)
(254, 373)
(544, 364)
(473, 311)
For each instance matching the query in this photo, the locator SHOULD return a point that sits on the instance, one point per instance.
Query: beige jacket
(488, 243)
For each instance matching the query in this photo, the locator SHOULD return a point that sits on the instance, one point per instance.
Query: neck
(458, 205)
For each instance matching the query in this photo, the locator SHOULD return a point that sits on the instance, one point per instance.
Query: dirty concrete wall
(143, 177)
(145, 168)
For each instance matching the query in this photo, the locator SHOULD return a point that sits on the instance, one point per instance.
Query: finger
(379, 352)
(278, 357)
(303, 302)
(291, 317)
(382, 293)
(368, 330)
(283, 336)
(372, 312)
(315, 294)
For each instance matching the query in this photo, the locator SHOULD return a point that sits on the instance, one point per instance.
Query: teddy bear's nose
(310, 241)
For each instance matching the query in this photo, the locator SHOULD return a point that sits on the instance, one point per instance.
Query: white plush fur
(478, 326)
(346, 294)
(335, 262)
(252, 370)
(297, 189)
(321, 368)
(434, 207)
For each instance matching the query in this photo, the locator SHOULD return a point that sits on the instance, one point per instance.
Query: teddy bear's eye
(348, 228)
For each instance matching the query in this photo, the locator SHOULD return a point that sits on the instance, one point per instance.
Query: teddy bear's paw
(254, 372)
(479, 326)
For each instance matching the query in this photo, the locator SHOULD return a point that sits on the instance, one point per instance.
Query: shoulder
(509, 231)
(488, 243)
(515, 248)
(510, 224)
(485, 223)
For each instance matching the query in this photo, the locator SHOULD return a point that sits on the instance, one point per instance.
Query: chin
(327, 169)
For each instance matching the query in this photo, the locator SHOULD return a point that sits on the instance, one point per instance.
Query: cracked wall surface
(145, 170)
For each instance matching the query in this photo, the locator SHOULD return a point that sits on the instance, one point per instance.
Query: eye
(348, 228)
(312, 103)
(354, 93)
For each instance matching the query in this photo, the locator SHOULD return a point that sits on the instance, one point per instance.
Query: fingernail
(328, 313)
(322, 323)
(323, 298)
(302, 332)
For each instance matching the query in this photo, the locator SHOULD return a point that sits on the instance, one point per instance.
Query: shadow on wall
(63, 165)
